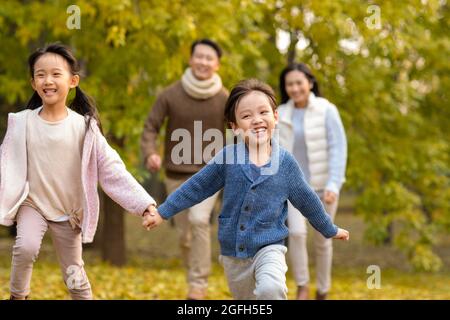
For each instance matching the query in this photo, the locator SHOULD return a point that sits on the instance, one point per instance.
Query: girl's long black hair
(81, 103)
(306, 71)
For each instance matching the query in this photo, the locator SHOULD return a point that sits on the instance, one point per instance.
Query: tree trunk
(292, 50)
(113, 235)
(390, 233)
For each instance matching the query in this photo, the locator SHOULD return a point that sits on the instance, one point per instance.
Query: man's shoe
(321, 296)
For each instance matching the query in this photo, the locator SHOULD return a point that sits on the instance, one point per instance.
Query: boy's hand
(342, 234)
(152, 220)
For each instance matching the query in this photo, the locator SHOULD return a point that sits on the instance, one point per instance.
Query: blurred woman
(311, 129)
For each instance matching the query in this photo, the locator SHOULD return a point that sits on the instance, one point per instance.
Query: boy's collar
(266, 171)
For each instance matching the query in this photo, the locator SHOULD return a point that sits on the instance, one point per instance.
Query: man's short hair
(207, 42)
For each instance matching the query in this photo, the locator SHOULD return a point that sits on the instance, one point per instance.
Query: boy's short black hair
(207, 42)
(243, 88)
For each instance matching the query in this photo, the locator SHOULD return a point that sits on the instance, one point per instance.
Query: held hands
(151, 218)
(342, 234)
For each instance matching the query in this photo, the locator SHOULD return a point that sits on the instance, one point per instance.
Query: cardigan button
(247, 208)
(242, 227)
(241, 247)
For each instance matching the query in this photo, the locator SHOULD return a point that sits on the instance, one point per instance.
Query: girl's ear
(234, 127)
(33, 85)
(74, 81)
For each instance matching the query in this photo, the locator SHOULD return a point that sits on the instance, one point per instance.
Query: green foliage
(392, 92)
(130, 49)
(391, 87)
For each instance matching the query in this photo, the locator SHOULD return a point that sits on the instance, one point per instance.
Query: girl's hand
(329, 197)
(150, 210)
(342, 234)
(152, 220)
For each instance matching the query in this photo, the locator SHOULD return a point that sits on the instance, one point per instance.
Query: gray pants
(262, 277)
(31, 228)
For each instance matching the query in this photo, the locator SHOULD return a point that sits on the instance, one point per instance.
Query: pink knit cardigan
(99, 162)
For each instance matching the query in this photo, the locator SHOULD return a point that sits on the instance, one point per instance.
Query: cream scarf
(200, 89)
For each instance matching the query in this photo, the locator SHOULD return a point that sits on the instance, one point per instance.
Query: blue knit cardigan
(253, 213)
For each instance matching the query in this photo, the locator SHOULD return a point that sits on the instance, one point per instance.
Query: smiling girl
(51, 159)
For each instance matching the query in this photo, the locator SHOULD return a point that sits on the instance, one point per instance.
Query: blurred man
(193, 105)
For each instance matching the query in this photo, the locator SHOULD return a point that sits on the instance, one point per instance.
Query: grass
(154, 270)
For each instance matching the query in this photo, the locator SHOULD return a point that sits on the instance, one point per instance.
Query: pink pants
(31, 228)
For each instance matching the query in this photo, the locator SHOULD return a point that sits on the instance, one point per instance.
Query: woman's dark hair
(81, 103)
(207, 42)
(243, 88)
(303, 68)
